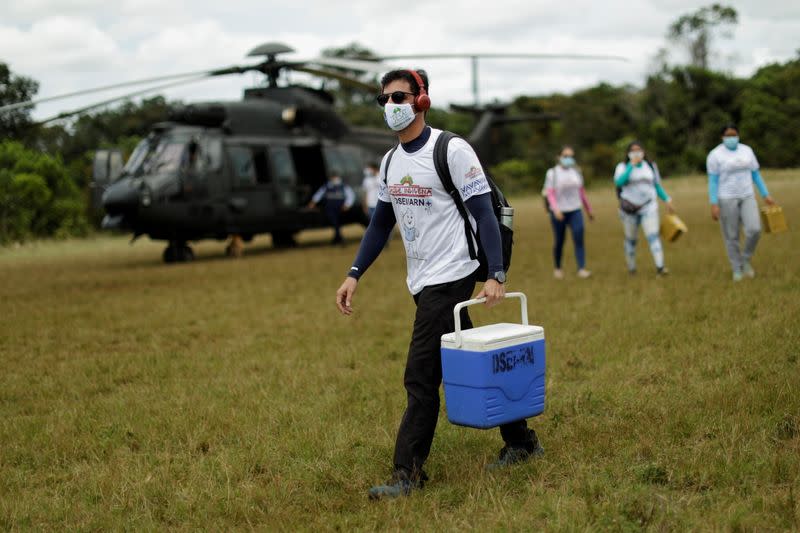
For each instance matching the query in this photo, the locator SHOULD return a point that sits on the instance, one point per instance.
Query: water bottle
(507, 217)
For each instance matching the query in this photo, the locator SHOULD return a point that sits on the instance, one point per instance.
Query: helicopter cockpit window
(167, 157)
(137, 157)
(244, 173)
(213, 153)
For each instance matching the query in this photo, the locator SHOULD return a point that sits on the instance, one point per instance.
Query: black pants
(333, 210)
(423, 375)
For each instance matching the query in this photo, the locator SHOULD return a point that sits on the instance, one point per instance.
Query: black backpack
(498, 202)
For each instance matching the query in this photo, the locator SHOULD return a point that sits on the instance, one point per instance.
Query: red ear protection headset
(422, 101)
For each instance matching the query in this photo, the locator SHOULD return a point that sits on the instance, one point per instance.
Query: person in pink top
(565, 197)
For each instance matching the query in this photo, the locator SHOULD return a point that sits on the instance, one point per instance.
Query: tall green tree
(15, 124)
(770, 113)
(696, 31)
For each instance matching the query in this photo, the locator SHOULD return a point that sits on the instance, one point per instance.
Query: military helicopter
(242, 168)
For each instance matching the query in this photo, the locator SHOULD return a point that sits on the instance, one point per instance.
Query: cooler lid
(492, 335)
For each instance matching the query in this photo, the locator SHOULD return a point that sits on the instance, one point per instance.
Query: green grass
(229, 394)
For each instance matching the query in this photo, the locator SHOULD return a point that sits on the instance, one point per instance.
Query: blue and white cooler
(493, 374)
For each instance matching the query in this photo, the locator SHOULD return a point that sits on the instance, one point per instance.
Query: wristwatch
(499, 276)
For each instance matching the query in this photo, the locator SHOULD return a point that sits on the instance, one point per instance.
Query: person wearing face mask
(732, 170)
(638, 185)
(440, 270)
(336, 197)
(565, 196)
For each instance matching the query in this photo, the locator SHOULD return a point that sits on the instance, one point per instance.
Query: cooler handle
(523, 301)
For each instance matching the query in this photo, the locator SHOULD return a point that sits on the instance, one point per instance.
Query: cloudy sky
(68, 45)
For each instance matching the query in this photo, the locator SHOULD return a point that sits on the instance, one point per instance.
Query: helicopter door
(285, 178)
(311, 173)
(250, 202)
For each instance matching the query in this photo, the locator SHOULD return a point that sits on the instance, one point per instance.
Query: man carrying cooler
(440, 271)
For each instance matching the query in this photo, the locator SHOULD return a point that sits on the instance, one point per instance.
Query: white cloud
(85, 43)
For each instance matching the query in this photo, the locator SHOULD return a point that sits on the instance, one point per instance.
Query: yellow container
(773, 219)
(672, 227)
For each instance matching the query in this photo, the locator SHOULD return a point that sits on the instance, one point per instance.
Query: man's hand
(559, 215)
(670, 207)
(591, 215)
(493, 291)
(344, 296)
(769, 200)
(715, 211)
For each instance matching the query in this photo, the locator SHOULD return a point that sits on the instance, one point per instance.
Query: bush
(516, 176)
(37, 197)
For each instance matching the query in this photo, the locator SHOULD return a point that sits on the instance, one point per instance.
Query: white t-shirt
(370, 186)
(567, 183)
(641, 186)
(734, 168)
(430, 224)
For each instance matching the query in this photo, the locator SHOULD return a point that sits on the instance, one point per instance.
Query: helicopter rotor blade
(475, 57)
(28, 103)
(339, 77)
(591, 57)
(123, 97)
(359, 65)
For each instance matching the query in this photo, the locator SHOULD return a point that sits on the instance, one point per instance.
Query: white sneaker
(558, 273)
(748, 271)
(737, 276)
(583, 273)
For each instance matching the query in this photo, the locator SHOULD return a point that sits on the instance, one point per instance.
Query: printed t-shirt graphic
(431, 226)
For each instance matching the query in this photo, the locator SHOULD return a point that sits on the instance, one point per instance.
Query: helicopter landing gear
(283, 239)
(236, 247)
(178, 252)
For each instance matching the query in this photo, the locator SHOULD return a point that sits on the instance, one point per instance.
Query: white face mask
(398, 116)
(637, 155)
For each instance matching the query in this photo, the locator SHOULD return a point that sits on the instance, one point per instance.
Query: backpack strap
(443, 170)
(386, 168)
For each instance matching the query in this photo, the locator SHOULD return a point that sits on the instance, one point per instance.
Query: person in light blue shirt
(732, 170)
(638, 183)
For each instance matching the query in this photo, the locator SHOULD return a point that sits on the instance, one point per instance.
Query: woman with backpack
(565, 195)
(638, 184)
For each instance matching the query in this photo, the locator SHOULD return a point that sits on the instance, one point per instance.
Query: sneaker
(748, 271)
(558, 273)
(399, 485)
(510, 455)
(737, 276)
(583, 273)
(631, 271)
(662, 271)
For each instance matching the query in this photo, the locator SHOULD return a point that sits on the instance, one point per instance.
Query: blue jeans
(650, 222)
(573, 219)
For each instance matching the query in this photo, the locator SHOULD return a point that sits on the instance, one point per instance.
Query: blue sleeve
(760, 185)
(661, 192)
(481, 209)
(623, 178)
(713, 188)
(378, 231)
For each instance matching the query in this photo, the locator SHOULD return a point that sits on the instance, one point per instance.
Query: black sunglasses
(397, 97)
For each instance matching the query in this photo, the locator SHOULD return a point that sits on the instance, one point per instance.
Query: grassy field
(229, 394)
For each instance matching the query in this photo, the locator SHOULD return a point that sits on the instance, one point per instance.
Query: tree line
(677, 114)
